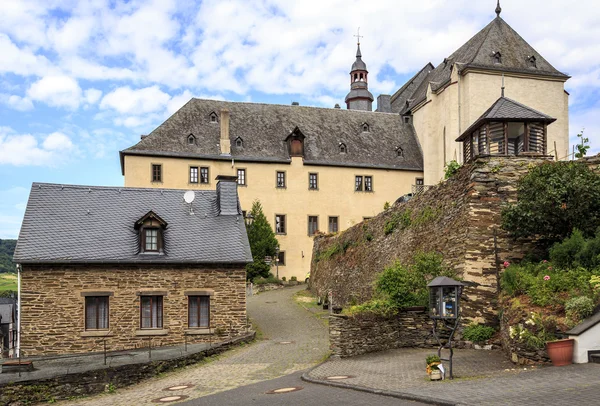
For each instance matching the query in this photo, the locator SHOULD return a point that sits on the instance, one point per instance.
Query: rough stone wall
(457, 218)
(53, 307)
(355, 335)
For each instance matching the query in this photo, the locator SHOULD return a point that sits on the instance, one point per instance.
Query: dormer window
(497, 57)
(239, 142)
(191, 140)
(151, 229)
(531, 61)
(214, 118)
(295, 143)
(343, 148)
(366, 128)
(400, 152)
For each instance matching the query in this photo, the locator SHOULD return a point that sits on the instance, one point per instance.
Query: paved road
(279, 319)
(310, 394)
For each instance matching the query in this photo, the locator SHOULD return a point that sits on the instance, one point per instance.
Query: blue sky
(81, 80)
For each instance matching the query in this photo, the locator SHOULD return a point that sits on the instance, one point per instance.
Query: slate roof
(398, 99)
(585, 325)
(478, 52)
(264, 128)
(505, 109)
(359, 63)
(91, 224)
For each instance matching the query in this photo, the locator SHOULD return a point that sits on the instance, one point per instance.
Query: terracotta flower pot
(561, 352)
(435, 375)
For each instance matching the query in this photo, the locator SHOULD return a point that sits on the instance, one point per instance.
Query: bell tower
(359, 97)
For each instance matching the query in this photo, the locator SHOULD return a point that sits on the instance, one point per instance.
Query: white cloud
(57, 91)
(92, 95)
(16, 102)
(27, 150)
(126, 100)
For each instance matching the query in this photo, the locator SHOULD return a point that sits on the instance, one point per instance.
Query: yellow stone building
(326, 169)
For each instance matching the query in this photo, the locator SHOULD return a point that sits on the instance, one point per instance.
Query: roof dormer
(295, 143)
(191, 140)
(151, 229)
(213, 117)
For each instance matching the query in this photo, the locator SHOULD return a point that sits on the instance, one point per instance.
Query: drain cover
(338, 377)
(284, 390)
(286, 342)
(179, 387)
(168, 399)
(270, 302)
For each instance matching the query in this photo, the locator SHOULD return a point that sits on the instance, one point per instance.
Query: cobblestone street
(279, 319)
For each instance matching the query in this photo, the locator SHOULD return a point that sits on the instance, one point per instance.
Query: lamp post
(277, 261)
(444, 307)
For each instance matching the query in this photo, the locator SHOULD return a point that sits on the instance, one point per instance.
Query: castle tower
(359, 97)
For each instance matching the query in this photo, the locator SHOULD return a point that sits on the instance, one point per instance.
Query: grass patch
(8, 281)
(308, 301)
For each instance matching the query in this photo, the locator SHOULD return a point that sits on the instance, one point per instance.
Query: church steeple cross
(358, 36)
(498, 9)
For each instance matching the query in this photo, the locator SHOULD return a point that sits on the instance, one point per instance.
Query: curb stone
(400, 395)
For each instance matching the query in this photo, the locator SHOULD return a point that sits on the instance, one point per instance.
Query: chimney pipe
(225, 143)
(227, 196)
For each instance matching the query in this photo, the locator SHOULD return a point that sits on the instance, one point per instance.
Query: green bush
(283, 278)
(293, 279)
(579, 308)
(478, 332)
(451, 168)
(565, 254)
(263, 281)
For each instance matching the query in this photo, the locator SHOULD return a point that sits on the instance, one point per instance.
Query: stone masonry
(53, 306)
(459, 218)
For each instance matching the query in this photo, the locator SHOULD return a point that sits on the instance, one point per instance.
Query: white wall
(588, 340)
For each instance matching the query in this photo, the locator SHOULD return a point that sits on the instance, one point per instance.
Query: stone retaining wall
(355, 335)
(91, 382)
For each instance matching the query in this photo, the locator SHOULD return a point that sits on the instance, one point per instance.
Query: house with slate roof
(326, 169)
(126, 265)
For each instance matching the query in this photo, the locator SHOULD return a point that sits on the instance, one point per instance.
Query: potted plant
(432, 362)
(560, 351)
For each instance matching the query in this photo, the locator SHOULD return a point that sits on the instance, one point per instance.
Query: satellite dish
(189, 196)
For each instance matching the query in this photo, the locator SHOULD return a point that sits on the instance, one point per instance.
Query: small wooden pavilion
(506, 128)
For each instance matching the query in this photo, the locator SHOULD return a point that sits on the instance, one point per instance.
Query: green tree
(582, 148)
(7, 249)
(262, 243)
(553, 199)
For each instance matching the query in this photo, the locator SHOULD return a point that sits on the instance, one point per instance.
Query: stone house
(8, 326)
(129, 268)
(327, 169)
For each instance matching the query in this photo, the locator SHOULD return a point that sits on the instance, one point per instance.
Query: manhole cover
(168, 399)
(284, 390)
(338, 377)
(179, 387)
(270, 302)
(286, 342)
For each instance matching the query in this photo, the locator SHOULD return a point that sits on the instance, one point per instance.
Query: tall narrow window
(313, 225)
(241, 180)
(313, 181)
(204, 174)
(151, 239)
(281, 258)
(199, 311)
(280, 179)
(280, 224)
(368, 183)
(358, 183)
(156, 173)
(151, 311)
(333, 225)
(96, 312)
(193, 174)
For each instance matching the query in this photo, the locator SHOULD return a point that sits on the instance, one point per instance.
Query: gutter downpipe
(460, 157)
(18, 354)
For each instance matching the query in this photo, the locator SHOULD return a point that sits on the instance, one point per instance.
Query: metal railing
(418, 189)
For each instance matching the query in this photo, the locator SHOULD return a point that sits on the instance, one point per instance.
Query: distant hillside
(7, 248)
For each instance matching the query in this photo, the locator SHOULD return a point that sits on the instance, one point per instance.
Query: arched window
(366, 128)
(343, 148)
(214, 118)
(355, 77)
(361, 77)
(497, 57)
(191, 140)
(400, 152)
(239, 142)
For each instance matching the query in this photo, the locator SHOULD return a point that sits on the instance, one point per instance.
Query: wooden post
(545, 138)
(487, 138)
(555, 151)
(505, 129)
(526, 137)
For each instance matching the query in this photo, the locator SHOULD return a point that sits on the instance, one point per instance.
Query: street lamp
(249, 219)
(277, 261)
(444, 307)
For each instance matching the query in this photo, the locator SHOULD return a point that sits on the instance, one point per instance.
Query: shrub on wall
(577, 251)
(579, 308)
(478, 332)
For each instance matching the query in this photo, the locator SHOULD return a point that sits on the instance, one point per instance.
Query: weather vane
(358, 36)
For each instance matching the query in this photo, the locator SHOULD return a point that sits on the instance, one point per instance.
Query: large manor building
(326, 169)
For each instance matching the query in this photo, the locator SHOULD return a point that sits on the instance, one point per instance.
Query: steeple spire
(498, 9)
(359, 97)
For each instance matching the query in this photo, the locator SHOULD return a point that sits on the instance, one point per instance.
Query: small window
(343, 149)
(241, 174)
(358, 183)
(333, 225)
(199, 311)
(281, 258)
(151, 312)
(313, 181)
(204, 174)
(367, 218)
(419, 182)
(280, 179)
(244, 213)
(497, 57)
(151, 239)
(280, 224)
(213, 117)
(400, 152)
(191, 139)
(368, 183)
(531, 60)
(193, 174)
(313, 225)
(96, 312)
(365, 127)
(407, 119)
(156, 173)
(239, 142)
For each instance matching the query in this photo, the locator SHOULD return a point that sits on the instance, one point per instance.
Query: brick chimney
(225, 141)
(227, 195)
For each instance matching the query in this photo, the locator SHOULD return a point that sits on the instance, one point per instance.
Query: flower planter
(435, 375)
(561, 352)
